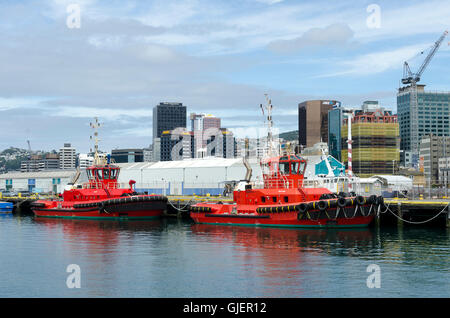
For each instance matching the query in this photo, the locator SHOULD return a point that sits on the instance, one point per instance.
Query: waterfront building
(85, 160)
(67, 157)
(40, 163)
(433, 112)
(431, 149)
(313, 121)
(36, 182)
(127, 155)
(375, 142)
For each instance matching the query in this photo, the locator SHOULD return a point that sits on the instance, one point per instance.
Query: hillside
(11, 158)
(289, 135)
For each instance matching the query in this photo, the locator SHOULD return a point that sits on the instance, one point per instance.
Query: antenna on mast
(95, 127)
(270, 143)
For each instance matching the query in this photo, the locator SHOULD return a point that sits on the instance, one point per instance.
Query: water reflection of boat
(96, 235)
(290, 239)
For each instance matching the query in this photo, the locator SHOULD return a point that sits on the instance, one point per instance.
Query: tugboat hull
(133, 207)
(304, 215)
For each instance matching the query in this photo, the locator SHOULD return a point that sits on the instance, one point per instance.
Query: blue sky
(217, 57)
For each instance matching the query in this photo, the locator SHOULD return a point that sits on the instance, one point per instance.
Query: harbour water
(176, 258)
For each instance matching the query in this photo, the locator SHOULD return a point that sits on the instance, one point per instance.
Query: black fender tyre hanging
(342, 202)
(360, 200)
(303, 207)
(322, 205)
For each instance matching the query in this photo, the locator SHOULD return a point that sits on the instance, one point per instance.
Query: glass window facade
(334, 132)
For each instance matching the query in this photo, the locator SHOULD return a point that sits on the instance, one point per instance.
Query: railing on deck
(282, 184)
(109, 185)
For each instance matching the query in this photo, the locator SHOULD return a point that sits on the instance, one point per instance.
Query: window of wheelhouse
(106, 173)
(294, 167)
(302, 167)
(114, 173)
(284, 167)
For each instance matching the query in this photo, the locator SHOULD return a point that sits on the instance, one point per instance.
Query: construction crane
(412, 78)
(29, 150)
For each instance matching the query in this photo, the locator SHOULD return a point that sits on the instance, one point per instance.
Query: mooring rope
(411, 222)
(182, 209)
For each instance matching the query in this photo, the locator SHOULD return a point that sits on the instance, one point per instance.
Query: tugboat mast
(270, 143)
(95, 126)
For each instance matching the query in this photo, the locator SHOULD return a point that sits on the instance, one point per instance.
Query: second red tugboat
(102, 197)
(282, 201)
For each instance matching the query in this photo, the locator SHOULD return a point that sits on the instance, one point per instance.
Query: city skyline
(214, 57)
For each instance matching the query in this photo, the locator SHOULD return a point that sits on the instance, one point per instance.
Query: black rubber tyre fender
(380, 200)
(322, 205)
(360, 200)
(303, 207)
(342, 202)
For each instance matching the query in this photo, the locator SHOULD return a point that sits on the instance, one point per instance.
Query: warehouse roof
(38, 174)
(187, 163)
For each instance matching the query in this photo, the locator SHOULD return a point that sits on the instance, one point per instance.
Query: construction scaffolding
(375, 143)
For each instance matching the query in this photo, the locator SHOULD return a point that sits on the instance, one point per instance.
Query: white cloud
(338, 34)
(378, 62)
(104, 113)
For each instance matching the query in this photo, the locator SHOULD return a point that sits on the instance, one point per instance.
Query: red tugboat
(282, 201)
(102, 197)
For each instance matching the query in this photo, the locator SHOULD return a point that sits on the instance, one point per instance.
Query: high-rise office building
(203, 126)
(433, 110)
(221, 145)
(313, 121)
(375, 142)
(166, 117)
(176, 145)
(335, 121)
(67, 157)
(210, 121)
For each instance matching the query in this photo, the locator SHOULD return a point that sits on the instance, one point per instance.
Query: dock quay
(415, 212)
(424, 212)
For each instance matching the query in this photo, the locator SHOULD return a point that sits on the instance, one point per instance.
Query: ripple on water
(171, 258)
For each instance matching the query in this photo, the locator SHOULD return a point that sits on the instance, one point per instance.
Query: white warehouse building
(37, 182)
(187, 177)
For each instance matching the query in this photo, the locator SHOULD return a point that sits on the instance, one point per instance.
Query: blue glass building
(432, 114)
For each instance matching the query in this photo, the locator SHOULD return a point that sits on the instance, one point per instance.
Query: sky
(121, 58)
